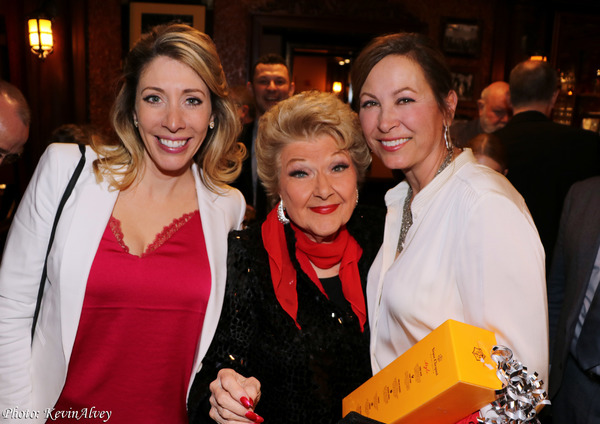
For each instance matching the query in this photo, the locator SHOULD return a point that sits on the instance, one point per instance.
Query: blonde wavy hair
(220, 155)
(303, 117)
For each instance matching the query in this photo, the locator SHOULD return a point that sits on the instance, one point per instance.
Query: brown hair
(269, 59)
(491, 146)
(418, 48)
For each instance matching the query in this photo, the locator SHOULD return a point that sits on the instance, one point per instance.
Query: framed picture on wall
(464, 85)
(461, 38)
(591, 123)
(143, 16)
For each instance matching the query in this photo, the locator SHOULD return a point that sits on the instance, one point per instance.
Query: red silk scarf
(344, 250)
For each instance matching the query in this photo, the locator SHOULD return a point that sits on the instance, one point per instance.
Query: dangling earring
(447, 138)
(356, 198)
(211, 125)
(281, 214)
(135, 122)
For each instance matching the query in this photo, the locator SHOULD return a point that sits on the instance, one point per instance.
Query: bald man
(14, 122)
(494, 112)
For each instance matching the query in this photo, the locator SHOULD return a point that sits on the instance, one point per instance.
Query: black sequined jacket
(304, 373)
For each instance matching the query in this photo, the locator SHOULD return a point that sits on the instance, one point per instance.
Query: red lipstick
(324, 210)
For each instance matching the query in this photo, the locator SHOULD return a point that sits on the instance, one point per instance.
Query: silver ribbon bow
(521, 396)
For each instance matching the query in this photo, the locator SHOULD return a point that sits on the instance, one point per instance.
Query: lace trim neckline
(160, 239)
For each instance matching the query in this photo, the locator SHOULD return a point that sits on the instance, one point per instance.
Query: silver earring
(135, 122)
(356, 197)
(447, 138)
(281, 214)
(211, 125)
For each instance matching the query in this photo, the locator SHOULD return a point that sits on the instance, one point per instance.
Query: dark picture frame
(463, 82)
(461, 37)
(143, 16)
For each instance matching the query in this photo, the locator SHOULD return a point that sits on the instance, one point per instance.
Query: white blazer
(32, 377)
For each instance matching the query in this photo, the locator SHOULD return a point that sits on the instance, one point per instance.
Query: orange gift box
(441, 379)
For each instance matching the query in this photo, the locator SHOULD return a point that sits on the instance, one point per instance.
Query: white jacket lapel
(89, 217)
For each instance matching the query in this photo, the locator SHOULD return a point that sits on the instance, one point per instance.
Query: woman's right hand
(233, 398)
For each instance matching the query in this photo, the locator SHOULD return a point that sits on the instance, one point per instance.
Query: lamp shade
(40, 36)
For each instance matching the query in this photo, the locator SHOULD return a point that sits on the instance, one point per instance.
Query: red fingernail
(246, 402)
(254, 417)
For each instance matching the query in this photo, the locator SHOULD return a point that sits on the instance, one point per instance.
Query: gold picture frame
(143, 16)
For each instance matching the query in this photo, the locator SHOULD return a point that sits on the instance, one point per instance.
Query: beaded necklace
(407, 213)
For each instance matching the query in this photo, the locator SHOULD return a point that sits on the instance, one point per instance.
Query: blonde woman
(294, 330)
(136, 274)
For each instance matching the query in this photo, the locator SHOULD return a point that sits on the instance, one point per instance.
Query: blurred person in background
(270, 82)
(494, 111)
(489, 151)
(15, 118)
(544, 158)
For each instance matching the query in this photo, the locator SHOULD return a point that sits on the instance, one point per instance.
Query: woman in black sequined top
(293, 331)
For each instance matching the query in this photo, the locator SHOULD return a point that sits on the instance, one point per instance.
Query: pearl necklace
(407, 213)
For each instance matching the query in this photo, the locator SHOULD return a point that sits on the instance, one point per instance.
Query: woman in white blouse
(459, 240)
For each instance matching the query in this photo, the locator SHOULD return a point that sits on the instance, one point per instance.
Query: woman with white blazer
(136, 274)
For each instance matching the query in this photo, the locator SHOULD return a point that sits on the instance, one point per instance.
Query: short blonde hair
(220, 155)
(303, 117)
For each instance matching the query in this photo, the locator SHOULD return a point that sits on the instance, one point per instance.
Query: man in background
(15, 118)
(244, 102)
(14, 122)
(544, 158)
(494, 112)
(574, 308)
(270, 82)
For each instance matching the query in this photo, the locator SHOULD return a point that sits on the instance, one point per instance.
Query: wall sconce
(40, 36)
(540, 58)
(337, 87)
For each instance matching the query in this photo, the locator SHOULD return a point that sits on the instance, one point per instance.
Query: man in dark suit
(544, 158)
(270, 82)
(574, 308)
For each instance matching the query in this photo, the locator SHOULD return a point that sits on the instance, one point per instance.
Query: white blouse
(473, 254)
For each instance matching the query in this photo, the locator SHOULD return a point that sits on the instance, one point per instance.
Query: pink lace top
(139, 328)
(164, 235)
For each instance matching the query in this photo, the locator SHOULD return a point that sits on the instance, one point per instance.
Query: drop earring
(211, 125)
(447, 138)
(281, 214)
(135, 122)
